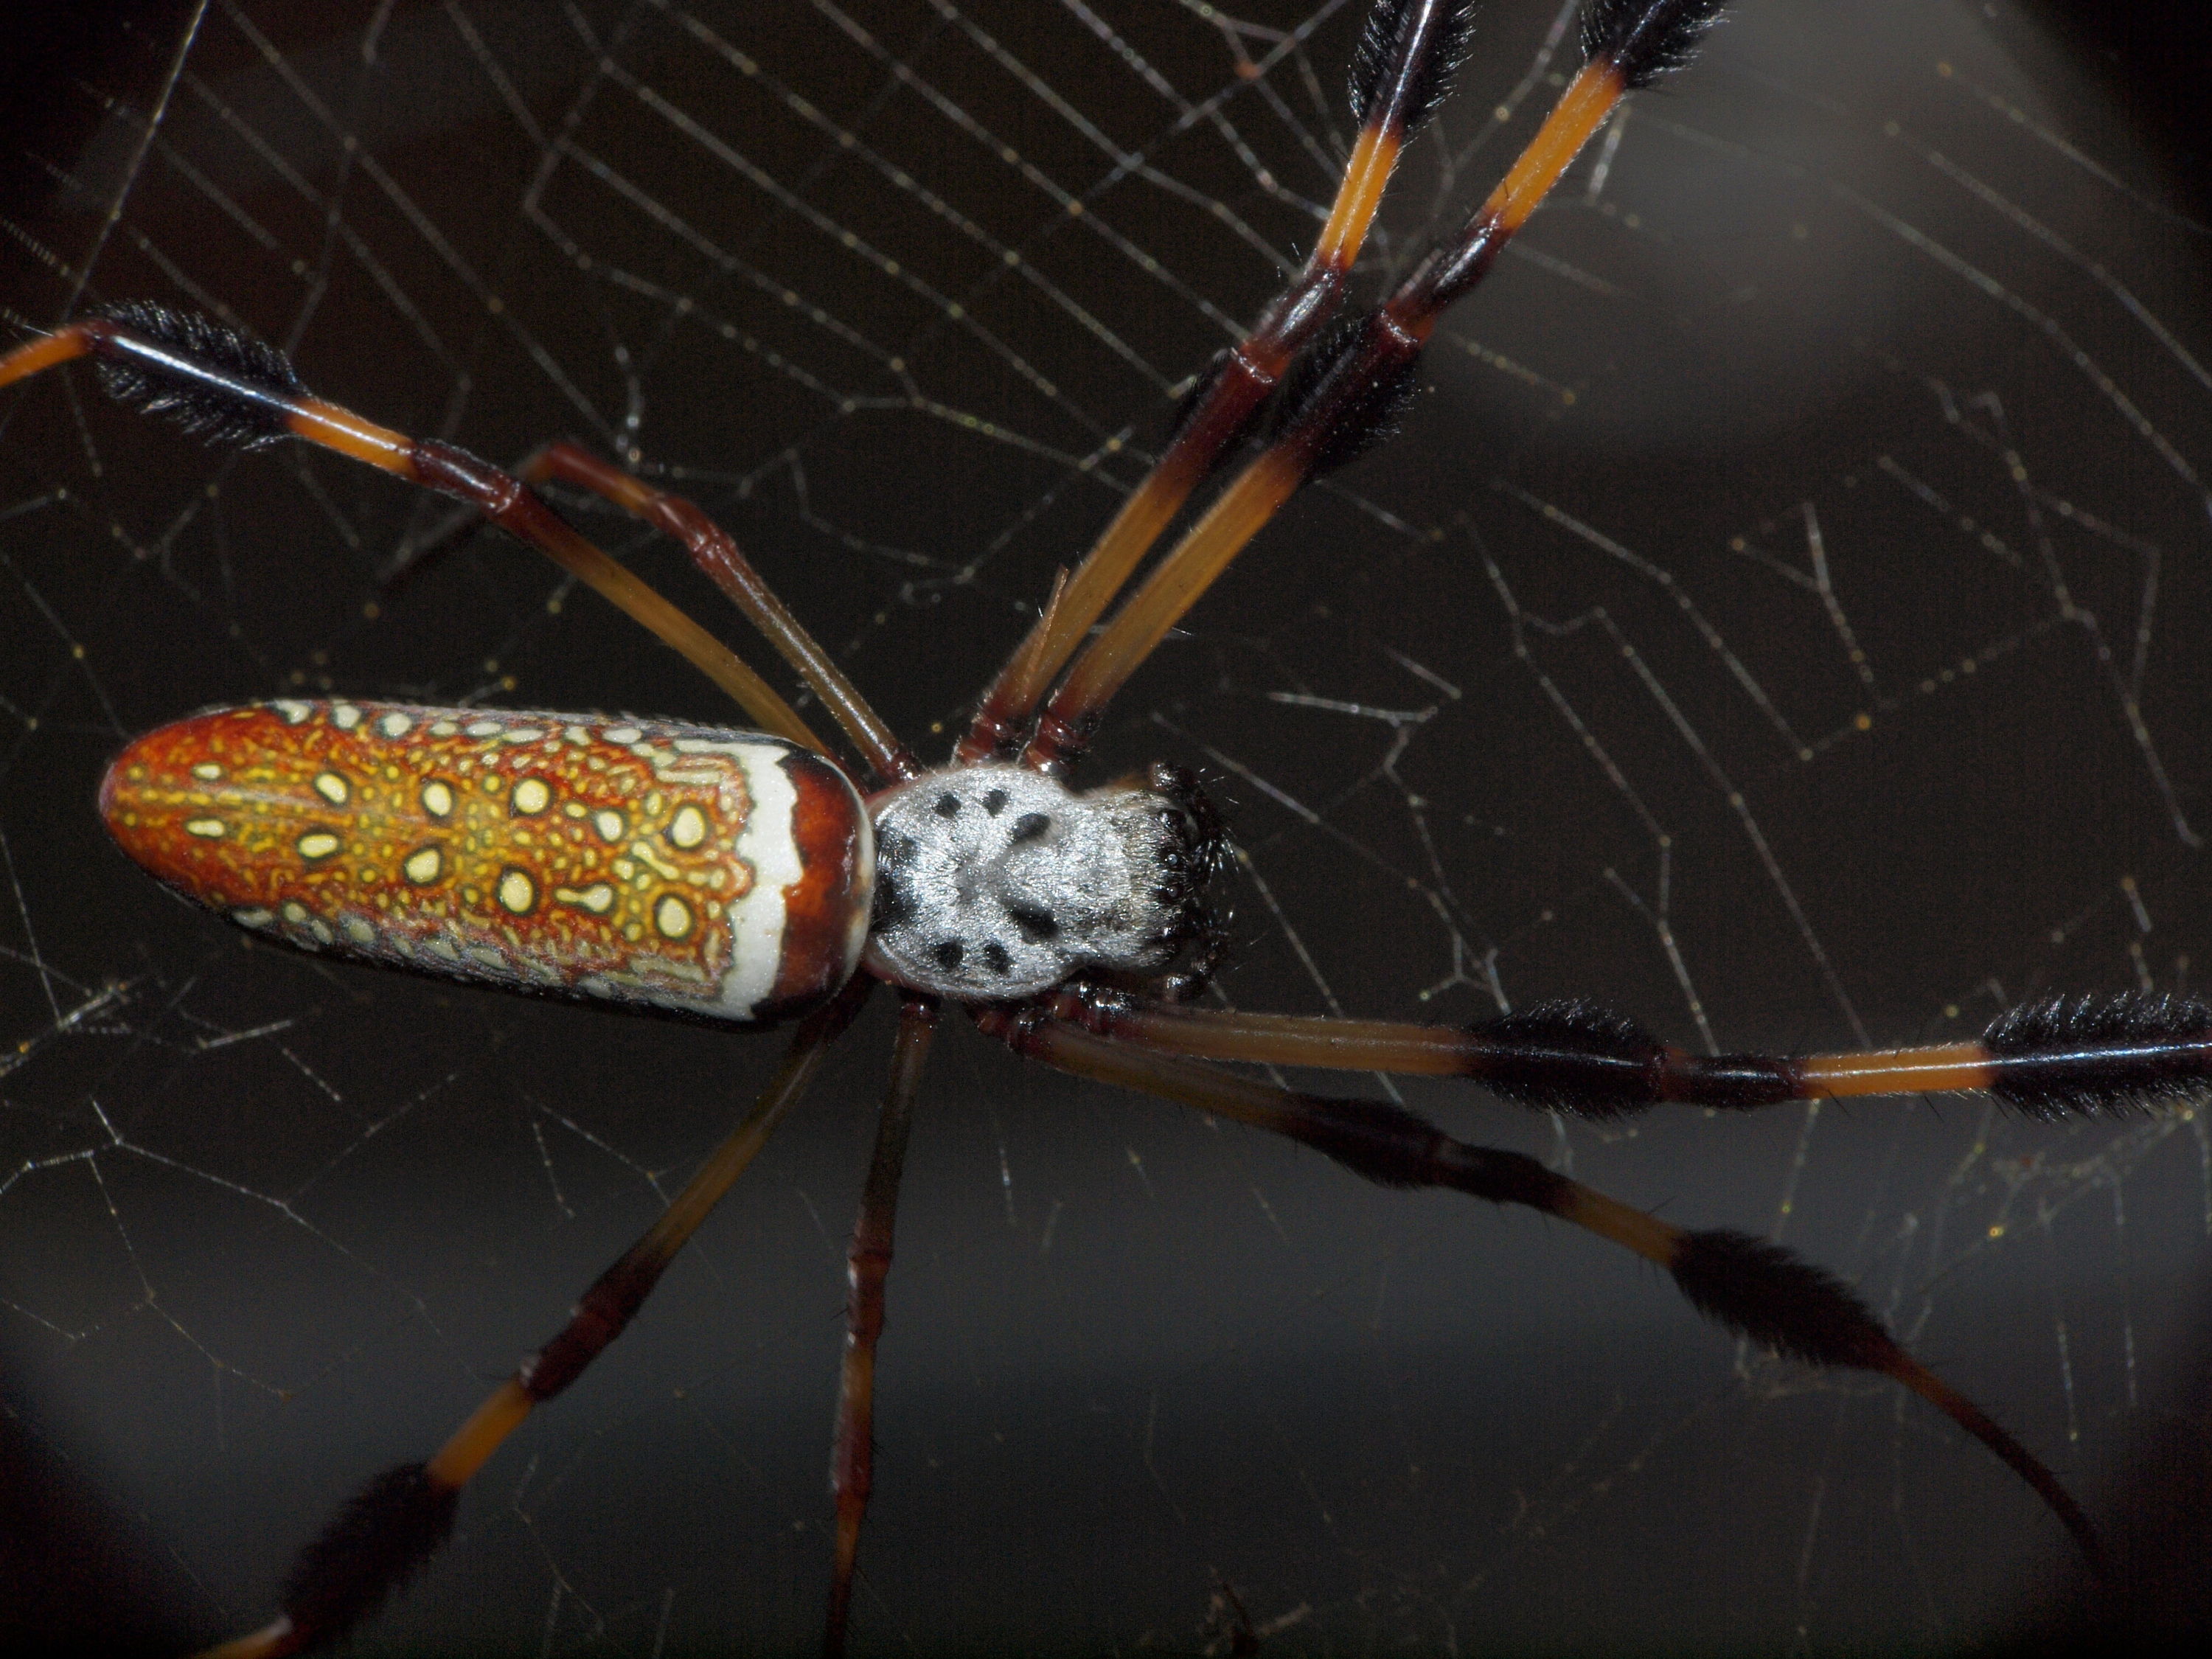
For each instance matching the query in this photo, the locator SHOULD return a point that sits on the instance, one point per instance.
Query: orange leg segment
(212, 394)
(1224, 403)
(1338, 414)
(391, 1527)
(1751, 1287)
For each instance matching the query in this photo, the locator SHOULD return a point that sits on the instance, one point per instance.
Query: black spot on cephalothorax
(949, 954)
(995, 802)
(995, 958)
(1037, 927)
(948, 806)
(894, 905)
(1029, 826)
(893, 851)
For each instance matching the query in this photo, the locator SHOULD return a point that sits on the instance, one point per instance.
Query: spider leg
(232, 389)
(1356, 392)
(714, 550)
(1751, 1287)
(1012, 697)
(2055, 1058)
(867, 1264)
(717, 554)
(394, 1524)
(1408, 56)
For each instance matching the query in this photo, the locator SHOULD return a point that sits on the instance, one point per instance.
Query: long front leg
(390, 1528)
(228, 388)
(1407, 57)
(1751, 1287)
(2058, 1057)
(867, 1266)
(716, 553)
(1358, 391)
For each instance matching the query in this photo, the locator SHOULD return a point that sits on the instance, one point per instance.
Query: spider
(1099, 995)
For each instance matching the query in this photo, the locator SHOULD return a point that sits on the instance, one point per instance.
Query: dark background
(1934, 273)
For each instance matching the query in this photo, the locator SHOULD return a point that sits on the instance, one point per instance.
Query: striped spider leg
(206, 803)
(216, 837)
(2050, 1058)
(1349, 391)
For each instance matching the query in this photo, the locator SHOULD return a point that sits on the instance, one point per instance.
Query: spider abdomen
(725, 875)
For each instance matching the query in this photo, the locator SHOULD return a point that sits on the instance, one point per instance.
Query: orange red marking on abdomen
(723, 874)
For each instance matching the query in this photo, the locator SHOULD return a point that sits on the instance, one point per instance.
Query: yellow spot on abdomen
(332, 788)
(643, 853)
(318, 844)
(532, 795)
(438, 799)
(517, 892)
(688, 828)
(423, 864)
(206, 829)
(672, 917)
(599, 899)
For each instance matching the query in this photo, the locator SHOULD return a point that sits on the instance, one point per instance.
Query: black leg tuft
(2067, 1055)
(214, 382)
(379, 1541)
(1780, 1301)
(1571, 1056)
(1356, 422)
(1647, 39)
(1428, 78)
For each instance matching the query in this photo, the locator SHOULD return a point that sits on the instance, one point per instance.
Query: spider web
(1782, 616)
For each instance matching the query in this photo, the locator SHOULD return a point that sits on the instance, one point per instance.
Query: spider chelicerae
(1105, 1008)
